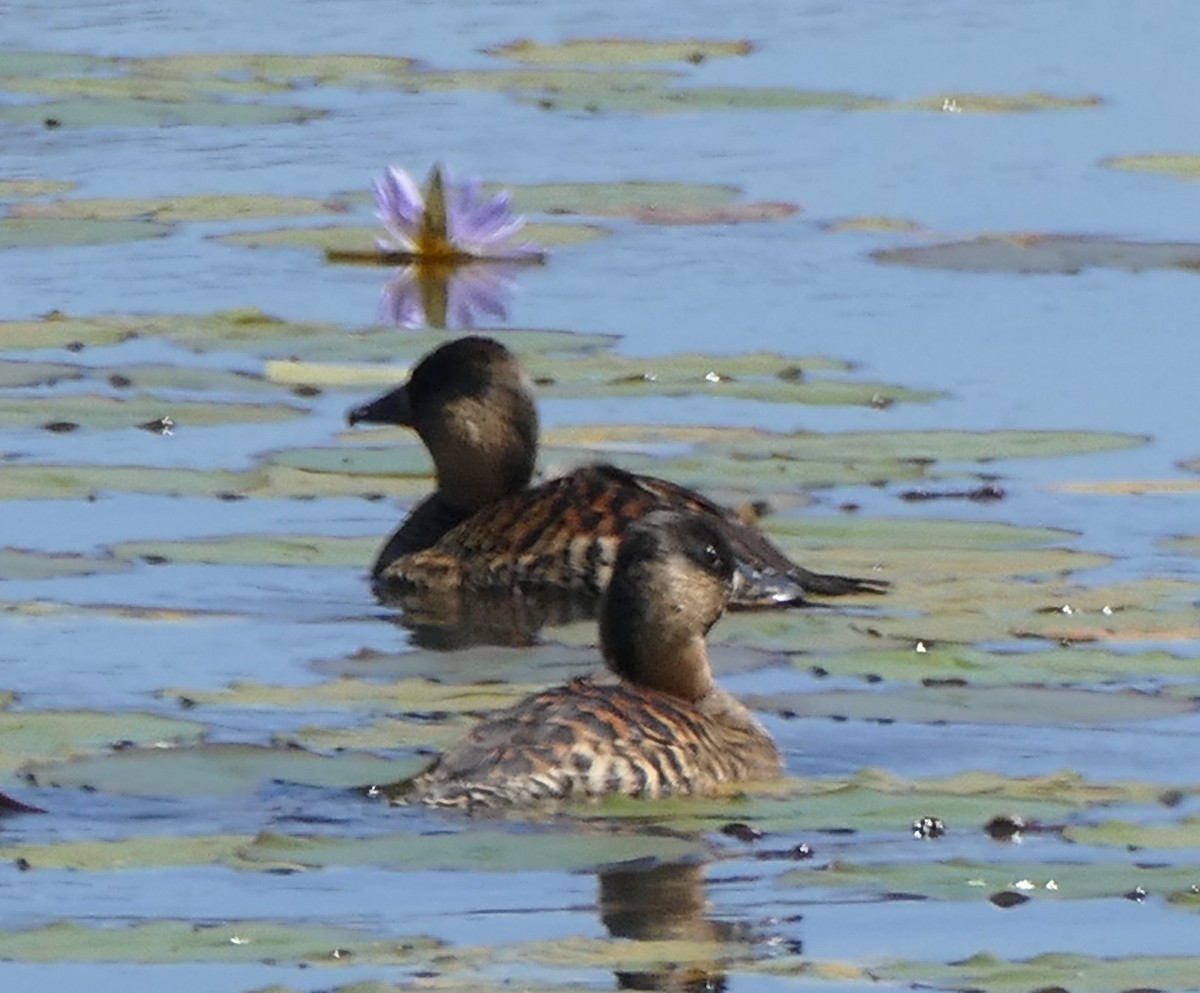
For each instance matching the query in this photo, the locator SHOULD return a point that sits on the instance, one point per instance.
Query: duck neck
(482, 456)
(649, 642)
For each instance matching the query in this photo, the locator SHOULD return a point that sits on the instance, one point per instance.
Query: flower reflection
(447, 222)
(446, 295)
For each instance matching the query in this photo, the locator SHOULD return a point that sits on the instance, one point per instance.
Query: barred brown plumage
(665, 729)
(473, 406)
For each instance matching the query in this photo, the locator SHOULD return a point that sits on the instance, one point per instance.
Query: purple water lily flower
(448, 222)
(440, 295)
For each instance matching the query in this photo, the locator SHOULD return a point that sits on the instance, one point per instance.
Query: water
(1104, 350)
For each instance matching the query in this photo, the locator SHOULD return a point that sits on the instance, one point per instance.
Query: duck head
(473, 407)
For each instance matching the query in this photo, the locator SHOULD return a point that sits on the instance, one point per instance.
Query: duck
(486, 526)
(658, 726)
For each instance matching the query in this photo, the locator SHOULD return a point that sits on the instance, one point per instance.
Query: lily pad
(21, 64)
(349, 241)
(216, 770)
(478, 849)
(1074, 666)
(116, 112)
(168, 210)
(1178, 166)
(618, 199)
(262, 334)
(252, 549)
(1018, 706)
(36, 373)
(999, 103)
(1131, 487)
(155, 88)
(655, 98)
(759, 376)
(17, 232)
(1183, 834)
(875, 801)
(1184, 545)
(19, 189)
(882, 446)
(966, 880)
(1052, 971)
(44, 736)
(874, 225)
(76, 482)
(1045, 253)
(166, 941)
(618, 51)
(22, 563)
(282, 69)
(107, 413)
(409, 696)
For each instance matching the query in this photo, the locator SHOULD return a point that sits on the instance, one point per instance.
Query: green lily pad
(36, 373)
(125, 88)
(143, 852)
(541, 664)
(290, 71)
(542, 84)
(1183, 545)
(166, 941)
(1183, 834)
(252, 549)
(1045, 253)
(17, 232)
(874, 225)
(966, 880)
(44, 736)
(478, 849)
(106, 413)
(751, 445)
(1052, 971)
(653, 97)
(46, 608)
(618, 51)
(22, 64)
(998, 103)
(1074, 666)
(1132, 487)
(410, 696)
(19, 189)
(876, 801)
(23, 563)
(217, 770)
(617, 199)
(77, 482)
(347, 241)
(753, 461)
(262, 334)
(83, 112)
(168, 210)
(1179, 166)
(758, 376)
(1019, 706)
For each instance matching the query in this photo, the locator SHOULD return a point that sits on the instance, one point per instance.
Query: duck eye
(712, 558)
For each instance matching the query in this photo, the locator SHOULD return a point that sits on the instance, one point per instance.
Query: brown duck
(473, 406)
(665, 729)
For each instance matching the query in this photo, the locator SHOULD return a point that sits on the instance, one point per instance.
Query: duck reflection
(665, 903)
(448, 620)
(447, 294)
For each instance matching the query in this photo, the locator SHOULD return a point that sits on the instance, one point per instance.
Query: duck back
(564, 533)
(589, 739)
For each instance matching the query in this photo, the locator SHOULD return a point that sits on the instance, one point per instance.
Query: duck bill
(391, 408)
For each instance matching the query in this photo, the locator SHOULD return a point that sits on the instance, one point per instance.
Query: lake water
(1109, 349)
